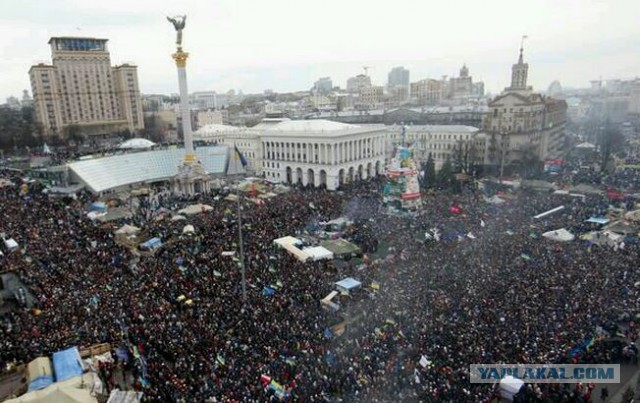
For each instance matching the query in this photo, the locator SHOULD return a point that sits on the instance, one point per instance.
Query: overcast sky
(285, 45)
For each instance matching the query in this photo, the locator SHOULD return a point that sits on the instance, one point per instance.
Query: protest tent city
(559, 235)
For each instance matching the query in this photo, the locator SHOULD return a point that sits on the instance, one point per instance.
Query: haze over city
(286, 45)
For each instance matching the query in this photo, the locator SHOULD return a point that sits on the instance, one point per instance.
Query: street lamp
(242, 266)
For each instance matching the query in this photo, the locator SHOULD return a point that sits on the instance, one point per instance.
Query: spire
(519, 71)
(520, 59)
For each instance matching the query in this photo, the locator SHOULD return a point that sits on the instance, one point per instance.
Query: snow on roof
(216, 128)
(137, 143)
(319, 127)
(440, 128)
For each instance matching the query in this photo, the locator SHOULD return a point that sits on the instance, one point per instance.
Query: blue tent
(152, 243)
(67, 364)
(99, 207)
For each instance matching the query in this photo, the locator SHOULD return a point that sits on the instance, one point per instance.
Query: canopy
(195, 209)
(340, 247)
(287, 240)
(289, 243)
(510, 386)
(127, 230)
(11, 244)
(121, 396)
(598, 220)
(623, 227)
(560, 235)
(73, 390)
(152, 243)
(586, 146)
(67, 364)
(494, 200)
(318, 253)
(137, 143)
(188, 229)
(633, 215)
(40, 373)
(99, 207)
(348, 284)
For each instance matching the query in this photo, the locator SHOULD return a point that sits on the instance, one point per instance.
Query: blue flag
(241, 157)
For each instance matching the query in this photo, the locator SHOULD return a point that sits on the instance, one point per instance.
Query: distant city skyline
(257, 46)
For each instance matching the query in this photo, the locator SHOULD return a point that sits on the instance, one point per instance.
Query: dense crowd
(504, 294)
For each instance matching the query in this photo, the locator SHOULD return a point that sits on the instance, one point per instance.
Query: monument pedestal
(191, 178)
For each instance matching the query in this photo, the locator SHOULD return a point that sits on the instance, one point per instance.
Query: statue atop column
(178, 23)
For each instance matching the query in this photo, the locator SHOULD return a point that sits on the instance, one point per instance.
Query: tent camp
(40, 373)
(195, 209)
(73, 390)
(559, 235)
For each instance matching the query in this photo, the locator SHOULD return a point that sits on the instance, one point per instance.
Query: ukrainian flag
(241, 157)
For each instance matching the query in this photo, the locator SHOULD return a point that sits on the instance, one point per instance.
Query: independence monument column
(191, 178)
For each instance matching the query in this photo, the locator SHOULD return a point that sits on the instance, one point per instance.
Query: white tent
(494, 200)
(178, 217)
(318, 253)
(188, 229)
(127, 230)
(510, 386)
(560, 235)
(195, 209)
(69, 391)
(11, 244)
(137, 143)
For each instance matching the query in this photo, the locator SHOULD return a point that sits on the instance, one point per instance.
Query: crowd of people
(504, 294)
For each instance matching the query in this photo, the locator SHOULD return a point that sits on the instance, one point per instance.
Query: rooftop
(100, 174)
(318, 127)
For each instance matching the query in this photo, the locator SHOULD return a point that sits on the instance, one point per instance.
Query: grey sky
(286, 45)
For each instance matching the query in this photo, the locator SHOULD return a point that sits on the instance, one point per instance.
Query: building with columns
(321, 152)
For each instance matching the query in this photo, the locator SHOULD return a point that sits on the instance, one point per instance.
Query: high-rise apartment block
(81, 88)
(398, 77)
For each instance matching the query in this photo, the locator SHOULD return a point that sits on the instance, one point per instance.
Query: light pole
(242, 267)
(502, 152)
